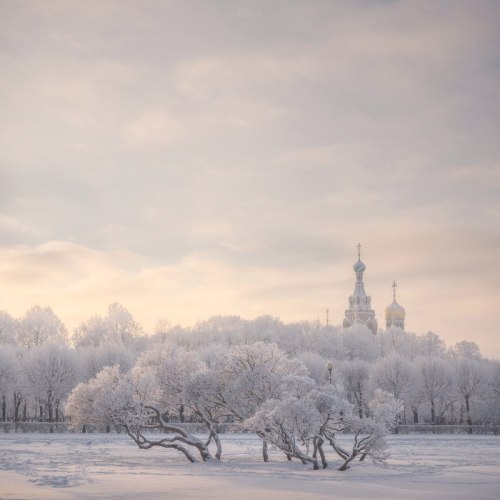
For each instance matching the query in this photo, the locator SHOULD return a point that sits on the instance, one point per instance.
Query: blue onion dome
(359, 267)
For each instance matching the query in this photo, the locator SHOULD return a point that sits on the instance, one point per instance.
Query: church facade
(360, 310)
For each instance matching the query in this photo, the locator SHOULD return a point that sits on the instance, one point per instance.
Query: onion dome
(359, 267)
(395, 311)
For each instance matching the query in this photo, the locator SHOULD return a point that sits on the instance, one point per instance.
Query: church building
(360, 310)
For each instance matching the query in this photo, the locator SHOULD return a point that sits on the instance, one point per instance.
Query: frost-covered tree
(355, 375)
(52, 370)
(358, 342)
(117, 326)
(8, 327)
(395, 340)
(38, 326)
(246, 376)
(253, 374)
(304, 413)
(122, 324)
(493, 380)
(465, 349)
(173, 367)
(286, 423)
(431, 345)
(396, 376)
(316, 366)
(95, 358)
(369, 433)
(9, 375)
(132, 401)
(92, 333)
(469, 380)
(435, 380)
(393, 374)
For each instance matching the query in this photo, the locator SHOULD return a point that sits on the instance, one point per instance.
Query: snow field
(95, 466)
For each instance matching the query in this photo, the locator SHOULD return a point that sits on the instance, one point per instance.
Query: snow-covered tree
(38, 326)
(369, 433)
(8, 327)
(9, 375)
(469, 380)
(286, 423)
(435, 380)
(395, 340)
(95, 358)
(117, 326)
(132, 401)
(173, 367)
(52, 370)
(304, 413)
(358, 342)
(397, 376)
(355, 375)
(465, 349)
(316, 366)
(91, 333)
(431, 345)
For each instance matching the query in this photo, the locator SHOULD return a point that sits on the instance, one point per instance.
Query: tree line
(41, 364)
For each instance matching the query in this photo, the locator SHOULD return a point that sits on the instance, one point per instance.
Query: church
(360, 310)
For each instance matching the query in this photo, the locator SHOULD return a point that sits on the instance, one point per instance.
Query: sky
(191, 158)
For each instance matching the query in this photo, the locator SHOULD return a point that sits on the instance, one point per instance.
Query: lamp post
(329, 367)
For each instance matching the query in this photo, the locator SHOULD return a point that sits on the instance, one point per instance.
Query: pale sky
(192, 158)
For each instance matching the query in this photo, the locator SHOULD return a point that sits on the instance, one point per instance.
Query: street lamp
(329, 367)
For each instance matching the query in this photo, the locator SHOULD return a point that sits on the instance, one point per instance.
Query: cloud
(153, 129)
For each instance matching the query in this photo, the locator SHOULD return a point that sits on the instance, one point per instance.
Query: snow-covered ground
(90, 466)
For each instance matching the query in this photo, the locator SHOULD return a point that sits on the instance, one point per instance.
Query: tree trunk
(345, 465)
(433, 412)
(215, 435)
(265, 455)
(415, 416)
(319, 443)
(4, 408)
(17, 403)
(315, 454)
(467, 409)
(218, 453)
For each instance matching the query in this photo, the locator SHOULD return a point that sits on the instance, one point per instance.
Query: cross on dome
(395, 313)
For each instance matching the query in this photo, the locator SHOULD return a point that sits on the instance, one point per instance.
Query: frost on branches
(255, 386)
(132, 401)
(315, 415)
(369, 432)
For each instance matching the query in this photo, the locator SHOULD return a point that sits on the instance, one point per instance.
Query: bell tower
(359, 303)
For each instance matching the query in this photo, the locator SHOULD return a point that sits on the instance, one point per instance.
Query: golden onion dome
(395, 311)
